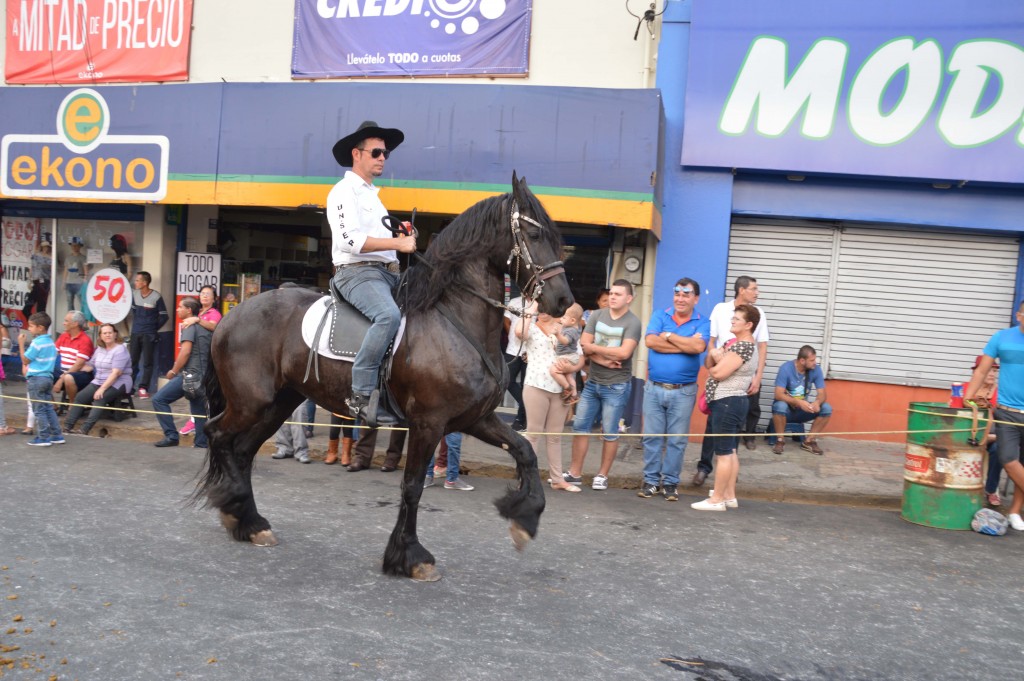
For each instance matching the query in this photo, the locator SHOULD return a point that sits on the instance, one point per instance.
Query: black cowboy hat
(343, 148)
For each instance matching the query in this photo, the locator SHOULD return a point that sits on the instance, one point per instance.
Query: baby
(566, 338)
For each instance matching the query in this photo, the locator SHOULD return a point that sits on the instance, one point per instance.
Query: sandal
(571, 399)
(7, 430)
(28, 431)
(994, 499)
(568, 487)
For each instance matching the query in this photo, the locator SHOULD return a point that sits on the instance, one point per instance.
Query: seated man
(75, 348)
(792, 399)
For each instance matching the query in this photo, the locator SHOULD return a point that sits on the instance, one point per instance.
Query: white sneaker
(458, 484)
(708, 506)
(1016, 522)
(600, 482)
(729, 503)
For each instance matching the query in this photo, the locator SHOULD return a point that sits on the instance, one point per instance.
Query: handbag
(192, 384)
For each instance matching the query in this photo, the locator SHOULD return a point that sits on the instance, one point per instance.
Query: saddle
(346, 328)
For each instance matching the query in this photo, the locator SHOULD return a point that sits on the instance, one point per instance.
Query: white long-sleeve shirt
(354, 212)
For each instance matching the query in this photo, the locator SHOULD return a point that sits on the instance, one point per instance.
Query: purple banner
(393, 38)
(918, 89)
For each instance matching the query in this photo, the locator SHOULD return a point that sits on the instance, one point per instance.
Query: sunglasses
(687, 290)
(378, 152)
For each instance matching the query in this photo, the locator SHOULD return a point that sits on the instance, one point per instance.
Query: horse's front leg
(523, 503)
(404, 554)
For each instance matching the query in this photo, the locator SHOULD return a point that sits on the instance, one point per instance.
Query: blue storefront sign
(915, 89)
(394, 38)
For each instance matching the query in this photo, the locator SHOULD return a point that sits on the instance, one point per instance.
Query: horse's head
(535, 261)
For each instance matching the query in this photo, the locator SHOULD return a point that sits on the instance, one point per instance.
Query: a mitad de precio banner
(389, 38)
(97, 41)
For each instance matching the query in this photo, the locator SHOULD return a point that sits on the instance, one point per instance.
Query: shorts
(82, 378)
(1009, 439)
(574, 358)
(728, 416)
(608, 401)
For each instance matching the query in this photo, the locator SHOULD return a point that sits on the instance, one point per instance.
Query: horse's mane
(471, 236)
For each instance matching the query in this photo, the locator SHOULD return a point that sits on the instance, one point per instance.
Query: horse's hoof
(425, 572)
(520, 537)
(228, 521)
(264, 538)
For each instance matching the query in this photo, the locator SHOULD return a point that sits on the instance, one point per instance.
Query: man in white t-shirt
(514, 360)
(721, 318)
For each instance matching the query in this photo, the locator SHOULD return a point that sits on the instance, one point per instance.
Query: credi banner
(343, 38)
(97, 41)
(912, 89)
(83, 160)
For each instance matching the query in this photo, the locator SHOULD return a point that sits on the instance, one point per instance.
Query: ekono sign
(874, 89)
(84, 161)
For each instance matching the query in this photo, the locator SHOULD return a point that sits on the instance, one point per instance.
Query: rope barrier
(625, 435)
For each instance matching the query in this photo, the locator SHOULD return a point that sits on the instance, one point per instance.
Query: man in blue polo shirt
(675, 338)
(1007, 346)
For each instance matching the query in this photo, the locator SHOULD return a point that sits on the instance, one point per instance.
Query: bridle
(521, 254)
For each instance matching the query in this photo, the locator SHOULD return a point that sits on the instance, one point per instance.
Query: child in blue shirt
(39, 360)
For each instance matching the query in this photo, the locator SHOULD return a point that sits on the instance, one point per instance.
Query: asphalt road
(106, 574)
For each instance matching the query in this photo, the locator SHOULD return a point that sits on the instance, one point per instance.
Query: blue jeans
(728, 416)
(454, 442)
(799, 415)
(666, 411)
(308, 414)
(368, 289)
(995, 469)
(606, 401)
(73, 291)
(171, 393)
(40, 391)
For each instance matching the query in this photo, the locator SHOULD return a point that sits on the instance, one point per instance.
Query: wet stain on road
(709, 670)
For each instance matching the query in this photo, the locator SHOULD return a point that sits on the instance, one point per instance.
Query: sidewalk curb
(149, 434)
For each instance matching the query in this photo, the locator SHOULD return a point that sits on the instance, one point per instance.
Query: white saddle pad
(311, 320)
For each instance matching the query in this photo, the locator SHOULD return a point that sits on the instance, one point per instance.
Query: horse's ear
(519, 189)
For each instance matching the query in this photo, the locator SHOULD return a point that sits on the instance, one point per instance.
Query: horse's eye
(533, 234)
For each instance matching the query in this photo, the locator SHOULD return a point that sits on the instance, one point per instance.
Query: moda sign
(916, 91)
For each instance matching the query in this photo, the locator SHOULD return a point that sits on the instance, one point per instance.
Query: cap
(75, 240)
(977, 361)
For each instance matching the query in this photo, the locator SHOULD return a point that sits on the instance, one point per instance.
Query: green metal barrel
(943, 475)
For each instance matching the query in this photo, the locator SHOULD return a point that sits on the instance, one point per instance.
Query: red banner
(97, 41)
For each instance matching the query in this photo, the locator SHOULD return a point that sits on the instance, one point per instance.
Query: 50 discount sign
(109, 296)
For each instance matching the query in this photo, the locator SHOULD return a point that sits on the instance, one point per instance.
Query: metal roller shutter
(914, 307)
(882, 305)
(792, 263)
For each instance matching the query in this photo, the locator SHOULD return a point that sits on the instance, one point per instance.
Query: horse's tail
(216, 404)
(214, 471)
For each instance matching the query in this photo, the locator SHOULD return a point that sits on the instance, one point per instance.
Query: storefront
(870, 181)
(243, 170)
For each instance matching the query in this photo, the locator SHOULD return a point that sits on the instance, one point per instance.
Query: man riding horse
(364, 254)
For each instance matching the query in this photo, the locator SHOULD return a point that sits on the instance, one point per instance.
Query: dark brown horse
(445, 378)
